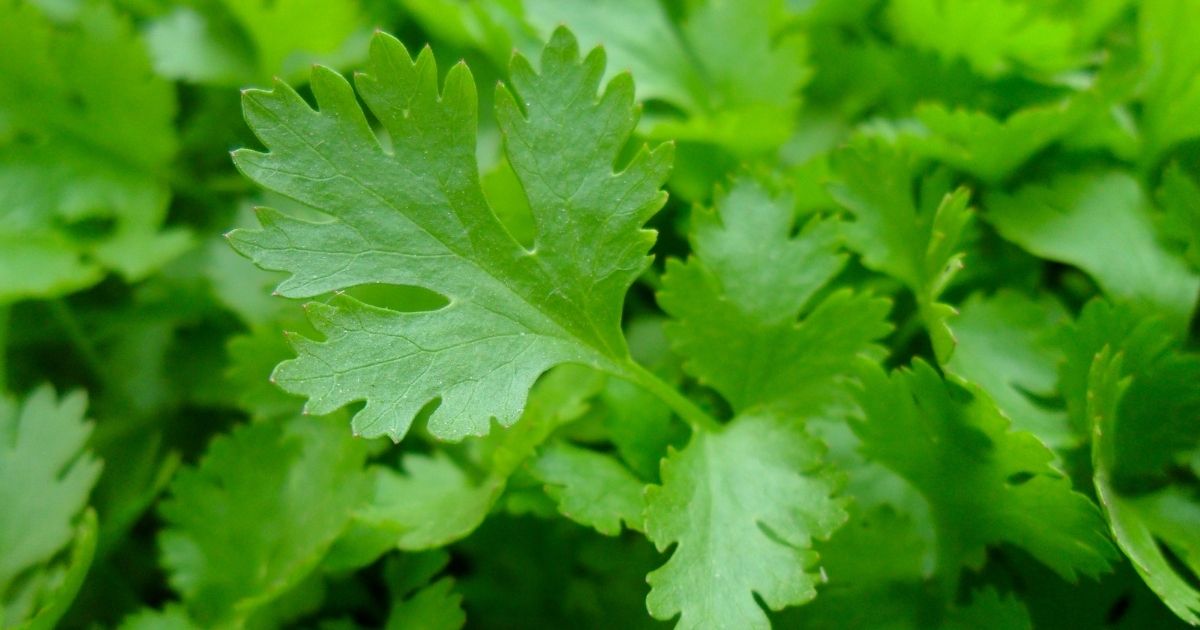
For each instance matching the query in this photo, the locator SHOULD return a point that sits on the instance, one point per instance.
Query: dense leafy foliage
(714, 314)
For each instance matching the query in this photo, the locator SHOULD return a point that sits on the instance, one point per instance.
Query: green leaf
(233, 42)
(46, 475)
(63, 583)
(737, 300)
(1180, 199)
(988, 147)
(305, 474)
(439, 500)
(1007, 346)
(1133, 525)
(435, 607)
(512, 313)
(1081, 219)
(995, 37)
(741, 506)
(591, 488)
(734, 69)
(85, 144)
(172, 617)
(433, 504)
(911, 240)
(985, 483)
(1170, 74)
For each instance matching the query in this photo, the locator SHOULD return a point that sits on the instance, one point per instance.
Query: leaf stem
(70, 325)
(699, 419)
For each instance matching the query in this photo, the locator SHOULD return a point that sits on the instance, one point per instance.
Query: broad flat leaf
(306, 474)
(989, 148)
(435, 607)
(737, 305)
(985, 483)
(732, 67)
(1101, 223)
(46, 475)
(1180, 199)
(1007, 345)
(741, 507)
(512, 313)
(914, 241)
(1133, 525)
(1167, 32)
(590, 488)
(230, 42)
(85, 144)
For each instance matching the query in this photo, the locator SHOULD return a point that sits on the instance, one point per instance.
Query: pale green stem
(680, 404)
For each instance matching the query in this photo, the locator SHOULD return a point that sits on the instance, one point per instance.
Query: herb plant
(713, 314)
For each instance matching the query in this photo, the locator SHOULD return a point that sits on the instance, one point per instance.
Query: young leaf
(1080, 219)
(741, 506)
(985, 483)
(591, 488)
(913, 243)
(306, 475)
(415, 215)
(46, 475)
(747, 283)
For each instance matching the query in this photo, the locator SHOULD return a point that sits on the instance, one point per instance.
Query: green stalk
(680, 404)
(70, 325)
(5, 317)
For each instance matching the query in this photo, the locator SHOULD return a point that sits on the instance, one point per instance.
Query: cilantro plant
(709, 314)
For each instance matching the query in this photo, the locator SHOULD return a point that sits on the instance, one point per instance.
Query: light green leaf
(232, 42)
(1007, 346)
(86, 139)
(1170, 74)
(46, 475)
(914, 241)
(306, 474)
(990, 148)
(741, 507)
(1133, 525)
(591, 488)
(435, 502)
(737, 304)
(435, 607)
(60, 584)
(985, 483)
(172, 617)
(1084, 220)
(732, 67)
(512, 313)
(1180, 199)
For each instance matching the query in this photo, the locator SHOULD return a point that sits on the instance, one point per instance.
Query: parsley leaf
(912, 241)
(512, 313)
(305, 474)
(742, 506)
(1079, 219)
(590, 488)
(985, 483)
(746, 283)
